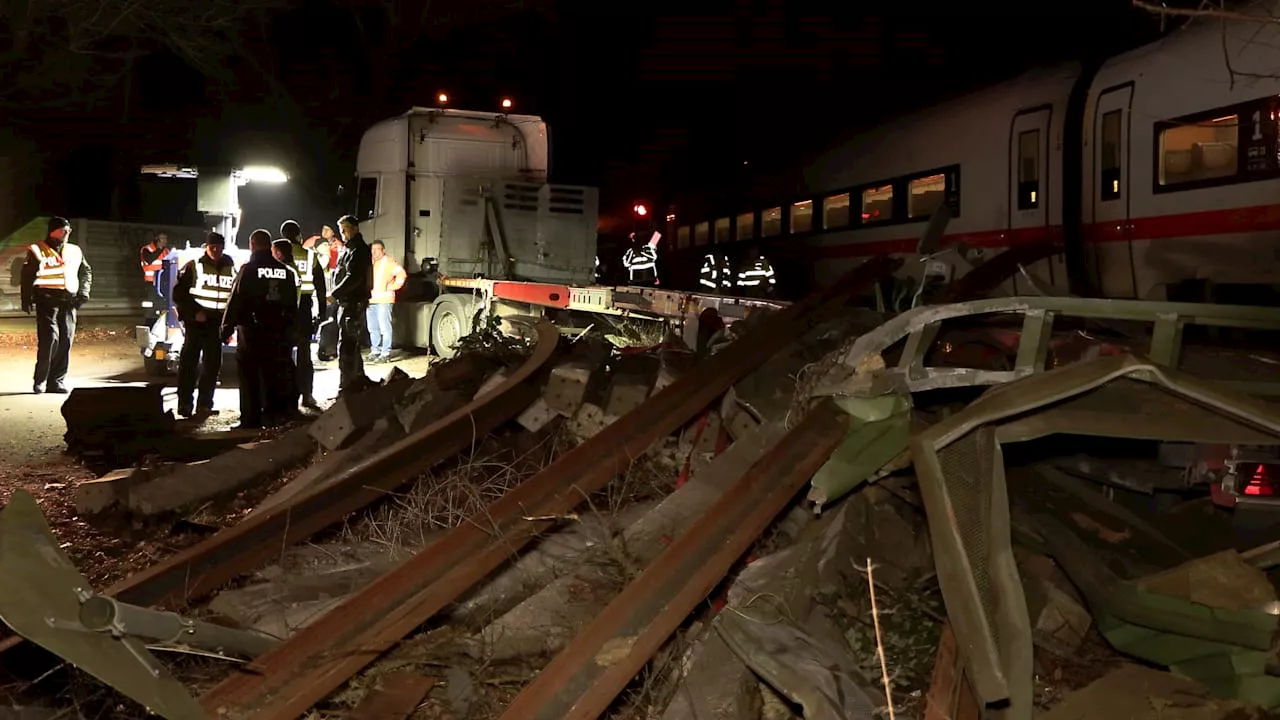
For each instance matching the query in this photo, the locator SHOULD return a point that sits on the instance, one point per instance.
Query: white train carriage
(1156, 168)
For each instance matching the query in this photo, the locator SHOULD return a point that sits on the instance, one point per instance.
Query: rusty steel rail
(242, 548)
(288, 681)
(577, 687)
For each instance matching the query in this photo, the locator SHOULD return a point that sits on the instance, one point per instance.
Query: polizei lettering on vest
(273, 273)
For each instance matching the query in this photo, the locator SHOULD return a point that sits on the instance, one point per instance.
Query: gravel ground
(32, 458)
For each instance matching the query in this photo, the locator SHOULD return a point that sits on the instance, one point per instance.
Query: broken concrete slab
(537, 416)
(1058, 623)
(567, 386)
(1140, 693)
(225, 474)
(589, 421)
(626, 393)
(491, 383)
(94, 496)
(383, 433)
(425, 404)
(714, 683)
(1222, 580)
(351, 415)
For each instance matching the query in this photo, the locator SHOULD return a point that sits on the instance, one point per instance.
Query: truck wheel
(451, 321)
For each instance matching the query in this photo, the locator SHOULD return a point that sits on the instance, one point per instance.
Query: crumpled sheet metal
(773, 625)
(1227, 650)
(968, 508)
(844, 379)
(879, 433)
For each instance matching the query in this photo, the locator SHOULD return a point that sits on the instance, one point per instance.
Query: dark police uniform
(261, 310)
(203, 286)
(352, 288)
(311, 285)
(56, 280)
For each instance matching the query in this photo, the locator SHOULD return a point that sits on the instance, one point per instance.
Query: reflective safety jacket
(641, 263)
(310, 271)
(715, 273)
(211, 285)
(760, 273)
(58, 270)
(152, 259)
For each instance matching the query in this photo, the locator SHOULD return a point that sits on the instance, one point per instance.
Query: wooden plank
(950, 695)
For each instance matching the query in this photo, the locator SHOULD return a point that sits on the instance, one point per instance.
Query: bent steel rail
(242, 548)
(287, 682)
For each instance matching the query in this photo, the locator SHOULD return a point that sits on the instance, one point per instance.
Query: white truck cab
(459, 195)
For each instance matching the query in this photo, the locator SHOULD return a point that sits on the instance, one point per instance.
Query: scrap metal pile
(834, 514)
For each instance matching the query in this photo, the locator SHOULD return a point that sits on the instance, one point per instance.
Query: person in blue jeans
(388, 277)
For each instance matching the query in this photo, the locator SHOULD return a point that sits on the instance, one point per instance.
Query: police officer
(55, 281)
(311, 300)
(200, 295)
(261, 310)
(352, 288)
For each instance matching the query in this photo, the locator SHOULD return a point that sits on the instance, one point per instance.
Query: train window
(835, 211)
(700, 233)
(682, 237)
(367, 198)
(1029, 170)
(746, 226)
(771, 222)
(1200, 151)
(1109, 152)
(925, 195)
(877, 204)
(802, 216)
(722, 230)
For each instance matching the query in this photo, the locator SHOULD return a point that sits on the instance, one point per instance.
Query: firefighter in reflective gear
(55, 282)
(200, 295)
(641, 261)
(715, 275)
(757, 279)
(152, 257)
(311, 307)
(261, 310)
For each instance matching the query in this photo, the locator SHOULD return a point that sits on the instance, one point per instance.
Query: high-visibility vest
(149, 269)
(642, 259)
(212, 287)
(58, 270)
(715, 273)
(304, 259)
(760, 272)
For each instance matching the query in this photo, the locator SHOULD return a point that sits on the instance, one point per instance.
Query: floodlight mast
(218, 191)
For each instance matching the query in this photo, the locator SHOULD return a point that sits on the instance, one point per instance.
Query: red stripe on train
(1161, 227)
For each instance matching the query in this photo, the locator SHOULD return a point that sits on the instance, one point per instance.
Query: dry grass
(448, 496)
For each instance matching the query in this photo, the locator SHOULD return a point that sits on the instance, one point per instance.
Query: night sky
(644, 101)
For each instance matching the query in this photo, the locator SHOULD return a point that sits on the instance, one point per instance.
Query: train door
(1029, 191)
(1108, 235)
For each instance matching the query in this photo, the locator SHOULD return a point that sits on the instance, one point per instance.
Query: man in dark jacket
(201, 294)
(352, 287)
(261, 310)
(310, 289)
(56, 281)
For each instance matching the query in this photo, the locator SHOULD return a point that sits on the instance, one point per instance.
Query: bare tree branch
(79, 50)
(1219, 13)
(1225, 17)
